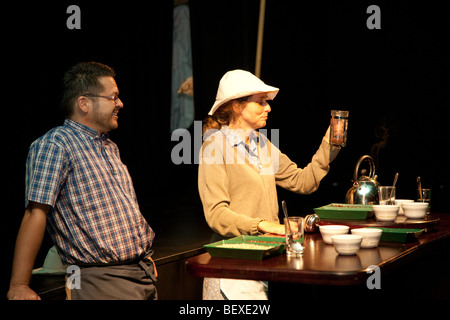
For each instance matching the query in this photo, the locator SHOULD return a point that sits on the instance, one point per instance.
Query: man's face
(104, 113)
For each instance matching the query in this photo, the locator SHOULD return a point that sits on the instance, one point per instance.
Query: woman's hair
(83, 78)
(223, 115)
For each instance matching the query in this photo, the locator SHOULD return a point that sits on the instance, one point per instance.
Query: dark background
(394, 82)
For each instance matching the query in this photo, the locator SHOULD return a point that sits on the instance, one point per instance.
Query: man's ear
(83, 104)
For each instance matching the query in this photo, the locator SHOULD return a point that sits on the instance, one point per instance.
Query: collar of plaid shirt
(95, 216)
(86, 130)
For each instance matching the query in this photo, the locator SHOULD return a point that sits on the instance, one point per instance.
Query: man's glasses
(110, 98)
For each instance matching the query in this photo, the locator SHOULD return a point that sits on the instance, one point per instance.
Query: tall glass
(386, 195)
(338, 128)
(425, 197)
(294, 228)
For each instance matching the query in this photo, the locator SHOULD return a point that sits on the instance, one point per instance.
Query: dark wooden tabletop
(320, 264)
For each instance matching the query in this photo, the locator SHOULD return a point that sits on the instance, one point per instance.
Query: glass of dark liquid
(338, 128)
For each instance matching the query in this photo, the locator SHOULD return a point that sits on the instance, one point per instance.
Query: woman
(240, 168)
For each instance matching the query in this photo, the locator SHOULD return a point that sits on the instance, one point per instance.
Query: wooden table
(321, 265)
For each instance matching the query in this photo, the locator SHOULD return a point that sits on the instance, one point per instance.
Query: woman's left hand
(271, 227)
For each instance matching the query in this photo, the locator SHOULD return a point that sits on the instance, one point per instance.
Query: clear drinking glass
(386, 195)
(294, 228)
(425, 197)
(338, 127)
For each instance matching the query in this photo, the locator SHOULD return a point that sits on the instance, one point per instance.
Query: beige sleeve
(306, 180)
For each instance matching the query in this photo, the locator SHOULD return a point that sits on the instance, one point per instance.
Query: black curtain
(223, 35)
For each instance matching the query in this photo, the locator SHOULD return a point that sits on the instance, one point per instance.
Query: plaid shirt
(95, 217)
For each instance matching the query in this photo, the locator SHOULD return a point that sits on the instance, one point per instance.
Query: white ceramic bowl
(371, 236)
(398, 202)
(385, 212)
(415, 210)
(347, 244)
(327, 231)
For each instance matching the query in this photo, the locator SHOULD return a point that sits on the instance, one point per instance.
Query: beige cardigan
(237, 194)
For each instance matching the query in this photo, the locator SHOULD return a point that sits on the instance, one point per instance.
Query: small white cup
(398, 202)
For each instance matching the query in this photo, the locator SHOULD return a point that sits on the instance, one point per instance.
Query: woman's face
(255, 113)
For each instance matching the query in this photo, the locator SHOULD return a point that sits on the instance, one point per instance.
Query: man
(77, 186)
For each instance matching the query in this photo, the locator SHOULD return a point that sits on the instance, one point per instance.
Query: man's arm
(28, 243)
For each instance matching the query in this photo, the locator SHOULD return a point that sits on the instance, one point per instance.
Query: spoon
(392, 191)
(295, 246)
(419, 186)
(283, 204)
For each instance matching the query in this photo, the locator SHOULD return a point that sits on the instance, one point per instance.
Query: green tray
(273, 246)
(400, 234)
(344, 211)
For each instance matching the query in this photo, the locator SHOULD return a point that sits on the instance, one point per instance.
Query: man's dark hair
(81, 79)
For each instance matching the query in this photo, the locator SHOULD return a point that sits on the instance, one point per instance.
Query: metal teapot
(365, 188)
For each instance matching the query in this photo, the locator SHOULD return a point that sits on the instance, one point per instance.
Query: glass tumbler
(338, 128)
(294, 228)
(425, 196)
